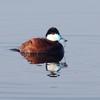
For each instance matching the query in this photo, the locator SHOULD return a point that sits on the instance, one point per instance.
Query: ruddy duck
(48, 47)
(38, 45)
(46, 50)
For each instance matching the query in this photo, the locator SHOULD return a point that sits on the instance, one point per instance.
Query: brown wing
(36, 45)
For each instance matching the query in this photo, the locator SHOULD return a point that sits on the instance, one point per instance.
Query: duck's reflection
(53, 66)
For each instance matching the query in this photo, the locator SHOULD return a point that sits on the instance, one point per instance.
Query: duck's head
(53, 34)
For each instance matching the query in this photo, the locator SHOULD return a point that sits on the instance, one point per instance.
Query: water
(78, 21)
(80, 80)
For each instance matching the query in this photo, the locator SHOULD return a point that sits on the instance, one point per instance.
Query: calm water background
(78, 21)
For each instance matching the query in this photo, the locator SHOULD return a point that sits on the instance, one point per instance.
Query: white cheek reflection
(53, 67)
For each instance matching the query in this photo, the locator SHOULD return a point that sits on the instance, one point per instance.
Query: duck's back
(38, 45)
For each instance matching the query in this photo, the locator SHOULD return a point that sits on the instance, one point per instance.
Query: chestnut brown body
(41, 50)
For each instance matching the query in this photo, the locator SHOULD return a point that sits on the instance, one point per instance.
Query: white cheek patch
(53, 37)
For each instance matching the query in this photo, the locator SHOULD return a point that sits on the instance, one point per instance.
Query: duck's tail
(15, 50)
